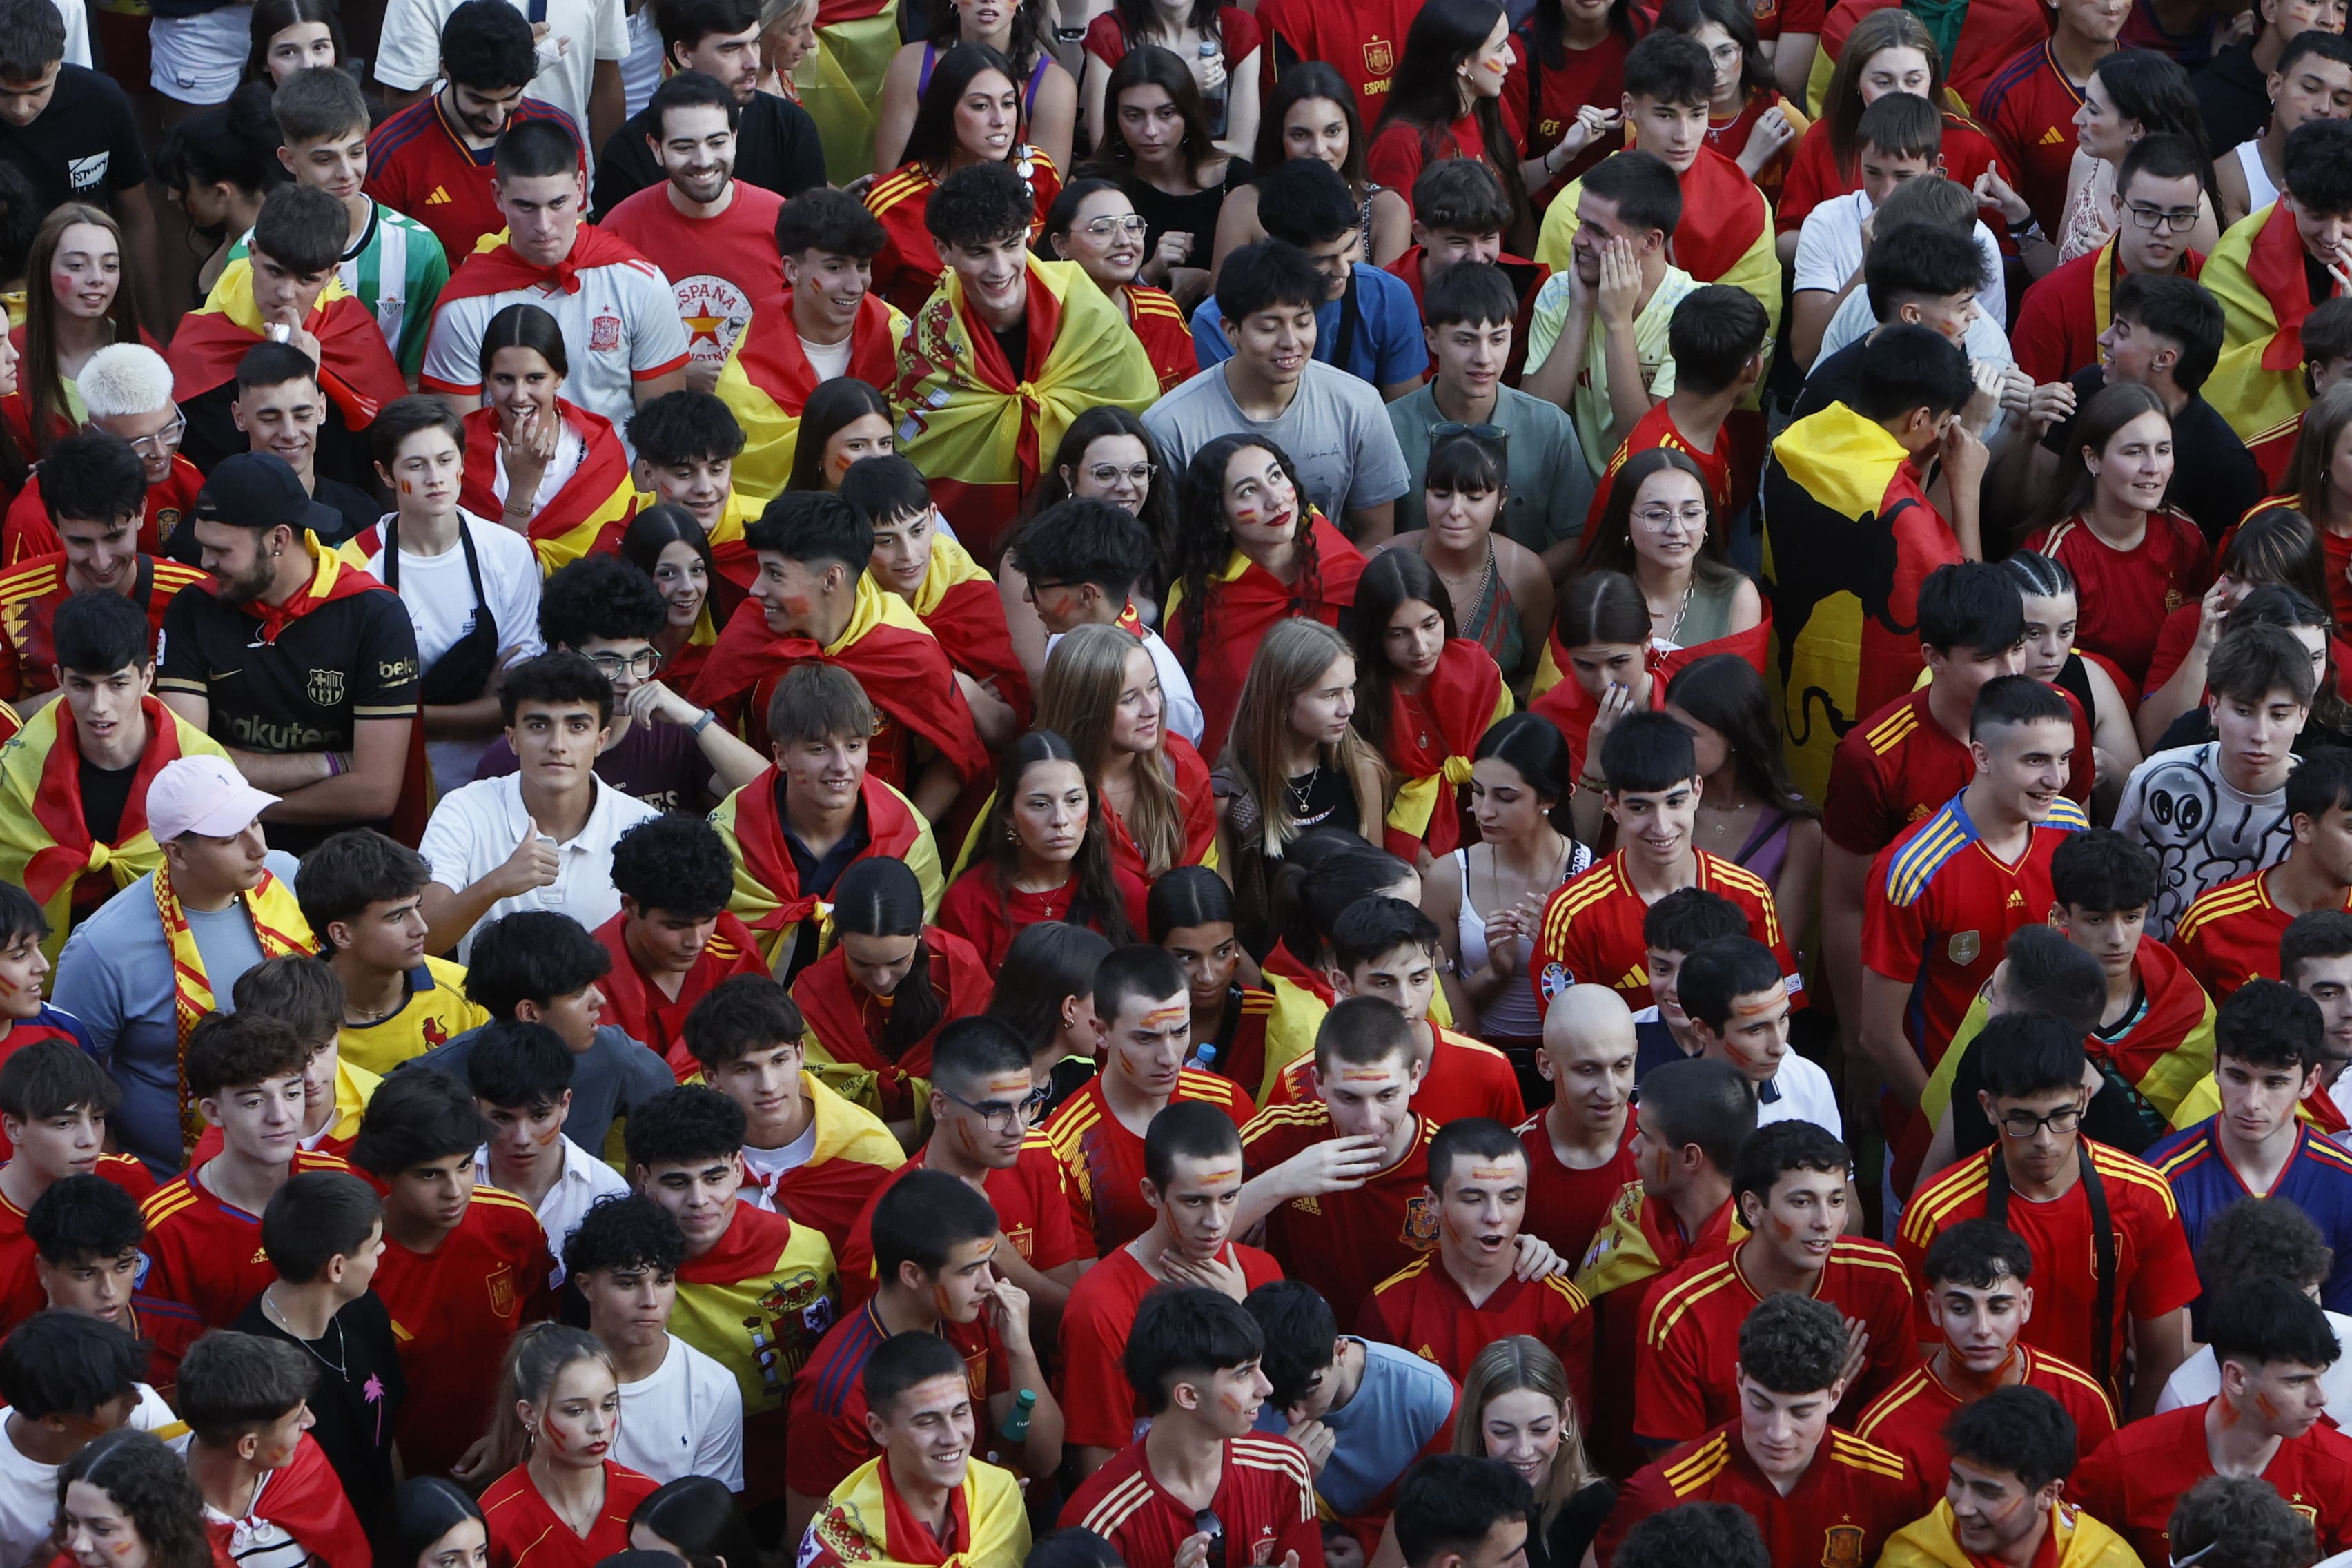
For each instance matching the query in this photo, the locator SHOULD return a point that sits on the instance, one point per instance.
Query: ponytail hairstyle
(1047, 964)
(524, 326)
(1095, 901)
(2038, 576)
(1392, 580)
(1534, 748)
(535, 1358)
(878, 896)
(2111, 408)
(1603, 607)
(1079, 698)
(1188, 895)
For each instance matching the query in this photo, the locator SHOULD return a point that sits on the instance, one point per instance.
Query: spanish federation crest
(1420, 1225)
(1380, 56)
(1842, 1546)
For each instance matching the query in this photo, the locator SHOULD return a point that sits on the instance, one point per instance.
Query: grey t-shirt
(2200, 831)
(613, 1074)
(1551, 484)
(115, 975)
(1401, 1404)
(1335, 433)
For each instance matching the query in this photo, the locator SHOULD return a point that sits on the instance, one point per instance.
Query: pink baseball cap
(202, 794)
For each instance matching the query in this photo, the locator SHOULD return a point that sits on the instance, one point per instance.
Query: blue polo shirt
(1386, 345)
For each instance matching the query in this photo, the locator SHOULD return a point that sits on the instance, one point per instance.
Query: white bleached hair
(123, 379)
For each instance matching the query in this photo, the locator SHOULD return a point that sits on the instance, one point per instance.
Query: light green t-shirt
(1589, 407)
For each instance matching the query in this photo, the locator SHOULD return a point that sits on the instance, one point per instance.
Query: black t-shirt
(818, 873)
(1572, 1528)
(776, 148)
(356, 508)
(347, 660)
(1014, 341)
(2215, 478)
(1324, 798)
(355, 1400)
(1655, 1045)
(105, 791)
(85, 145)
(1835, 379)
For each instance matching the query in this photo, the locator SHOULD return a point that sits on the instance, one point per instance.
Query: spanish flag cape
(959, 601)
(846, 1023)
(839, 82)
(357, 370)
(1849, 536)
(984, 437)
(767, 896)
(729, 549)
(864, 1523)
(1245, 600)
(896, 658)
(2258, 275)
(563, 526)
(46, 846)
(2075, 1541)
(635, 1002)
(277, 926)
(767, 380)
(855, 1154)
(1431, 759)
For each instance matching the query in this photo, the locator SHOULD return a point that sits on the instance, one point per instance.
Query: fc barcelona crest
(1421, 1225)
(1380, 56)
(325, 687)
(1842, 1546)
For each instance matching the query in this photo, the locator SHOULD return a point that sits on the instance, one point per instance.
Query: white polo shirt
(621, 326)
(584, 1179)
(1799, 1091)
(474, 829)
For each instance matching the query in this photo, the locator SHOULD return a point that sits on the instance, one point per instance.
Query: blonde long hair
(1290, 659)
(1505, 1367)
(535, 1358)
(1079, 696)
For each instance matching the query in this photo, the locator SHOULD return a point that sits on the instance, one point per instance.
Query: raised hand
(532, 865)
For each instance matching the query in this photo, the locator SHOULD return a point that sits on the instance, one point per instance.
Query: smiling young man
(756, 1292)
(1791, 1185)
(266, 1485)
(934, 1240)
(772, 142)
(2271, 269)
(926, 1498)
(2269, 1044)
(94, 490)
(2112, 1263)
(2232, 87)
(1735, 996)
(203, 1230)
(54, 1100)
(2231, 933)
(521, 1078)
(1193, 1182)
(702, 217)
(1447, 1306)
(2312, 80)
(1976, 1293)
(463, 1266)
(1592, 927)
(2064, 314)
(2274, 1346)
(673, 939)
(281, 408)
(1813, 1490)
(2012, 1452)
(1201, 1477)
(600, 291)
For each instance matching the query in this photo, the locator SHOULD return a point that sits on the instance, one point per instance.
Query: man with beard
(316, 703)
(775, 142)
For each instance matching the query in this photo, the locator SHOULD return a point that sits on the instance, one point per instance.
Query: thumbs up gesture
(532, 864)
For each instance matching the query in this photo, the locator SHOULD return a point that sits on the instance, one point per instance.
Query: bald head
(1587, 1054)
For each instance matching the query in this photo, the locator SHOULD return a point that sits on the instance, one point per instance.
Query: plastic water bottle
(1214, 101)
(1015, 1426)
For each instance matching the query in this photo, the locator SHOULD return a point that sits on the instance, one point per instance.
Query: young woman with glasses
(1659, 530)
(1044, 855)
(1094, 223)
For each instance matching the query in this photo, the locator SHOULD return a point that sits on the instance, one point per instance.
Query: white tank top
(1513, 1015)
(2259, 191)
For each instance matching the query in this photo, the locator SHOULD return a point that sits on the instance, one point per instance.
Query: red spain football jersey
(1591, 931)
(1940, 906)
(1684, 1378)
(1104, 1161)
(1909, 1417)
(1465, 1078)
(1032, 1202)
(20, 1289)
(1896, 767)
(206, 1255)
(1099, 1407)
(1265, 1500)
(453, 1310)
(1565, 1206)
(2154, 1272)
(30, 593)
(1423, 1309)
(418, 166)
(2028, 109)
(1343, 1244)
(526, 1532)
(828, 1400)
(2230, 934)
(1849, 1501)
(2126, 594)
(2132, 1481)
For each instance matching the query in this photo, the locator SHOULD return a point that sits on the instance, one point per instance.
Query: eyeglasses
(163, 441)
(1104, 228)
(1139, 475)
(1447, 429)
(613, 666)
(2025, 1124)
(1663, 518)
(2180, 220)
(1003, 1116)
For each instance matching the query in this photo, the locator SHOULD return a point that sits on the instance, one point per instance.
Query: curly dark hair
(2239, 1521)
(599, 597)
(152, 1487)
(1097, 902)
(1204, 537)
(1793, 1344)
(675, 862)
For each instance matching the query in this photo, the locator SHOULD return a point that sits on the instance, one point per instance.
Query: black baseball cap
(261, 489)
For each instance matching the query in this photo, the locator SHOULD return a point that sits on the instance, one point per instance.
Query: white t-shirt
(2199, 1378)
(29, 1490)
(439, 598)
(829, 360)
(473, 830)
(1179, 707)
(1829, 248)
(620, 328)
(578, 34)
(764, 1168)
(2202, 831)
(686, 1419)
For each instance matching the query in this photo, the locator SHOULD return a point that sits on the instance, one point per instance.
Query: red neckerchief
(500, 270)
(334, 579)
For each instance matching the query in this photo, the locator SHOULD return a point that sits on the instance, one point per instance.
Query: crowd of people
(1344, 784)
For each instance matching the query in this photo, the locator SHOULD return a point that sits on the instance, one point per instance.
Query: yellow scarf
(277, 925)
(864, 1521)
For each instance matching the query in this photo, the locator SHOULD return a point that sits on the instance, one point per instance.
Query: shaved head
(1588, 1051)
(1592, 1015)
